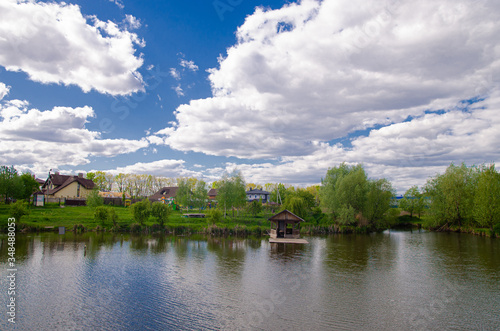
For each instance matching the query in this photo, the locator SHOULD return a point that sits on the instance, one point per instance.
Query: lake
(384, 281)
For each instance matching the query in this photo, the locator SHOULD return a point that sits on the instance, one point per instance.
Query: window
(78, 190)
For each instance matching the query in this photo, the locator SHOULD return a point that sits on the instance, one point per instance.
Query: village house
(212, 194)
(165, 193)
(256, 194)
(64, 186)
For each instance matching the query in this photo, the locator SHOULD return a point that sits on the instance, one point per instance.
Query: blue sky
(279, 90)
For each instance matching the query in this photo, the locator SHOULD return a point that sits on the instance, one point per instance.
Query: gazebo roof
(286, 216)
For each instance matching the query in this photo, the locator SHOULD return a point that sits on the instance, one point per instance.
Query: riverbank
(80, 219)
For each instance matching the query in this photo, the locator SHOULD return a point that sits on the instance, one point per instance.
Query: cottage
(286, 224)
(212, 194)
(63, 186)
(256, 194)
(165, 193)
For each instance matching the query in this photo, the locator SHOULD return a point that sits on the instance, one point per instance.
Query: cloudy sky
(280, 90)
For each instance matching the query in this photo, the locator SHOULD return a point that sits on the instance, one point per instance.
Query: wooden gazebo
(285, 224)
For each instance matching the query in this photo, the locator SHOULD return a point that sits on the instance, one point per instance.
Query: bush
(141, 211)
(19, 209)
(101, 214)
(161, 212)
(214, 216)
(112, 216)
(94, 200)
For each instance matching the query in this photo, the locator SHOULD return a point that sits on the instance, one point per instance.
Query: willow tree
(231, 192)
(487, 198)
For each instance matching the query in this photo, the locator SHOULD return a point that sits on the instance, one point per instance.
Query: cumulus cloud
(55, 43)
(53, 138)
(4, 90)
(188, 65)
(313, 72)
(164, 168)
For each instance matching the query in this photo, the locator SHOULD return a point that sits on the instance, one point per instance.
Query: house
(63, 186)
(164, 194)
(285, 224)
(256, 194)
(212, 194)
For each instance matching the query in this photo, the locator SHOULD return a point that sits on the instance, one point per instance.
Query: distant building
(163, 194)
(212, 194)
(256, 194)
(115, 195)
(64, 186)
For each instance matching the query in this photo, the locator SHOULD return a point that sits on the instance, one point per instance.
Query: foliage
(28, 186)
(10, 184)
(254, 207)
(296, 205)
(343, 191)
(112, 216)
(200, 194)
(214, 215)
(19, 209)
(274, 190)
(346, 215)
(184, 195)
(141, 211)
(487, 198)
(452, 195)
(413, 201)
(94, 200)
(161, 212)
(101, 214)
(378, 200)
(231, 192)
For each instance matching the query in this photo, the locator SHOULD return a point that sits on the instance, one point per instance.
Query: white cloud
(119, 3)
(165, 168)
(4, 90)
(178, 90)
(317, 71)
(189, 65)
(175, 74)
(55, 43)
(53, 138)
(132, 22)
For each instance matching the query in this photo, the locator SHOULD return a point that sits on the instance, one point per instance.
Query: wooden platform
(288, 241)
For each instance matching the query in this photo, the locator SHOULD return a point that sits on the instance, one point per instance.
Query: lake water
(384, 281)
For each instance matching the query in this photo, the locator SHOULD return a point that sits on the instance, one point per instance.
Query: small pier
(288, 241)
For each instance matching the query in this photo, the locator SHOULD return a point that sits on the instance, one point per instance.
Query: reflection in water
(397, 280)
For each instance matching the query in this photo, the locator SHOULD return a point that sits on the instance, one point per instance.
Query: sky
(279, 90)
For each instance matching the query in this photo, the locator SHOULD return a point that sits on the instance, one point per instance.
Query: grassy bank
(81, 219)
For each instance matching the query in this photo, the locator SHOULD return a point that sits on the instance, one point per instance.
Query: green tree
(19, 209)
(112, 216)
(101, 214)
(29, 186)
(254, 207)
(452, 195)
(296, 205)
(412, 201)
(214, 215)
(141, 211)
(161, 212)
(184, 195)
(344, 191)
(487, 198)
(378, 201)
(94, 200)
(231, 192)
(10, 185)
(200, 194)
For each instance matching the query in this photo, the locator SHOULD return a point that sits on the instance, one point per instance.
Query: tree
(94, 200)
(101, 214)
(378, 200)
(19, 209)
(344, 191)
(296, 205)
(200, 194)
(112, 216)
(231, 192)
(29, 186)
(141, 211)
(452, 195)
(487, 198)
(254, 207)
(161, 212)
(412, 201)
(184, 195)
(10, 185)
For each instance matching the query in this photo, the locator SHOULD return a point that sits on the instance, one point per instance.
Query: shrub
(161, 212)
(94, 200)
(19, 209)
(214, 216)
(112, 216)
(101, 214)
(141, 211)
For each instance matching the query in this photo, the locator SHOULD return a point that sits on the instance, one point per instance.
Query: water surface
(385, 281)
